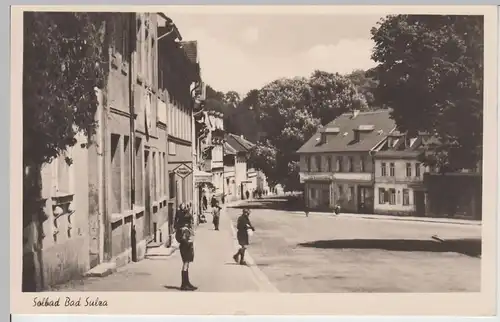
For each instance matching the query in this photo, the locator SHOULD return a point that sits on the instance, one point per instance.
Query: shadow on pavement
(276, 203)
(470, 247)
(169, 287)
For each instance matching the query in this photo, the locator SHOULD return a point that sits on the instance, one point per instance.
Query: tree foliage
(63, 63)
(290, 110)
(430, 73)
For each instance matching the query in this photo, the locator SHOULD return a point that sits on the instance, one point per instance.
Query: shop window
(392, 196)
(406, 197)
(381, 196)
(417, 170)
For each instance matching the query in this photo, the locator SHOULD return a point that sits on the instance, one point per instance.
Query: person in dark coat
(184, 234)
(243, 225)
(205, 203)
(247, 194)
(216, 216)
(213, 202)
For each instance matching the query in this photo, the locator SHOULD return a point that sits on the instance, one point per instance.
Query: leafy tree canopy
(64, 60)
(430, 73)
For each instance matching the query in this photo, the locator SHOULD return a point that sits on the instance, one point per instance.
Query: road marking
(262, 281)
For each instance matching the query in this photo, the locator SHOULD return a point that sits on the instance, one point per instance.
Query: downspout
(132, 28)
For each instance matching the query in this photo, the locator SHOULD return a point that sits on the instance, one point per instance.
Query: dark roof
(191, 50)
(228, 149)
(238, 143)
(344, 141)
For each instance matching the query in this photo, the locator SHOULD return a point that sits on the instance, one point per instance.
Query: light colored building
(336, 164)
(241, 147)
(399, 176)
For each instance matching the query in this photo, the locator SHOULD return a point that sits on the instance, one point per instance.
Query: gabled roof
(402, 148)
(228, 149)
(238, 143)
(344, 140)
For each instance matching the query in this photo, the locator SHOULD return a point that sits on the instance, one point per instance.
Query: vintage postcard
(276, 160)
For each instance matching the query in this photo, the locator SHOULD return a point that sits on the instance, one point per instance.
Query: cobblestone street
(349, 253)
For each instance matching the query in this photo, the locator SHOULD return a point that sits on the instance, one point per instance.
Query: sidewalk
(213, 269)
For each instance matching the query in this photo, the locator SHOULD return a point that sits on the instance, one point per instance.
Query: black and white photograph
(265, 151)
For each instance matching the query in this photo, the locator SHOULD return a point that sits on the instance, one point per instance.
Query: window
(339, 164)
(165, 179)
(417, 170)
(381, 196)
(138, 52)
(406, 197)
(341, 191)
(171, 184)
(351, 193)
(116, 176)
(313, 193)
(329, 160)
(391, 169)
(154, 177)
(308, 163)
(383, 169)
(318, 163)
(350, 165)
(138, 172)
(362, 164)
(171, 148)
(408, 169)
(392, 196)
(62, 175)
(126, 169)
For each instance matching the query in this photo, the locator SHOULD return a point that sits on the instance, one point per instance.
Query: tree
(333, 94)
(430, 73)
(366, 84)
(63, 62)
(64, 59)
(290, 110)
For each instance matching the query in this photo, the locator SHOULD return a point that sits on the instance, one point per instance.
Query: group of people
(184, 235)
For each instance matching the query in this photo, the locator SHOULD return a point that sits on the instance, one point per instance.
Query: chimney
(355, 113)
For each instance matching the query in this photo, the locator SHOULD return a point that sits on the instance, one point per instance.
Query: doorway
(419, 197)
(365, 200)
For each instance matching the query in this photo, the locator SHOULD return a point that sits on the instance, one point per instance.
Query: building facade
(239, 148)
(336, 164)
(399, 176)
(112, 201)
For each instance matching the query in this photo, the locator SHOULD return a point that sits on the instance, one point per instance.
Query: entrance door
(365, 200)
(147, 197)
(325, 198)
(419, 197)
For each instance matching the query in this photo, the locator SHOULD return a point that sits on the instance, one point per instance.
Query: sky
(241, 52)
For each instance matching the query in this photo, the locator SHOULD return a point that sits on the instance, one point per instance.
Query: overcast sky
(245, 51)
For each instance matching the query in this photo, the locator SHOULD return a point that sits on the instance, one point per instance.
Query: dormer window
(325, 132)
(362, 129)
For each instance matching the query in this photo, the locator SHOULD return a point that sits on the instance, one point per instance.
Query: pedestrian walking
(243, 225)
(216, 216)
(205, 202)
(213, 202)
(247, 194)
(184, 234)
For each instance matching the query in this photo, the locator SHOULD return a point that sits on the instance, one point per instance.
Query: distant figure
(213, 202)
(183, 225)
(336, 209)
(205, 203)
(243, 225)
(247, 194)
(216, 216)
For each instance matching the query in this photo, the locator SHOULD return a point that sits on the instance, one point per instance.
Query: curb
(262, 281)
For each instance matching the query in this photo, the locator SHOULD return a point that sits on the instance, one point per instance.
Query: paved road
(325, 253)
